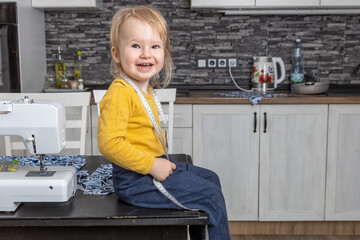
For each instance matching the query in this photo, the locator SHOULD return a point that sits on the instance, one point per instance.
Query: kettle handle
(282, 69)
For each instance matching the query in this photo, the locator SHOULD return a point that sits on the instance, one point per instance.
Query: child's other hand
(162, 169)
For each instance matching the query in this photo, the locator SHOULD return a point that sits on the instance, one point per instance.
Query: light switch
(201, 63)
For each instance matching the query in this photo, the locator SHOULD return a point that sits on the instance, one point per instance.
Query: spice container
(65, 84)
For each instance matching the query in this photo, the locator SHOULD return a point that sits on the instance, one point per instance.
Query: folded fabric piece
(254, 97)
(99, 182)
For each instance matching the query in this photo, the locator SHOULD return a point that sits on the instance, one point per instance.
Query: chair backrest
(167, 95)
(98, 95)
(71, 101)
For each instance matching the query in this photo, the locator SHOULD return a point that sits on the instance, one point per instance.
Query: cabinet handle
(265, 122)
(255, 122)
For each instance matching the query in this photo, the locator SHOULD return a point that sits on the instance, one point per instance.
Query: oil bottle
(78, 66)
(59, 69)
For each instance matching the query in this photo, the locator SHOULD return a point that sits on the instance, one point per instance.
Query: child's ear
(115, 55)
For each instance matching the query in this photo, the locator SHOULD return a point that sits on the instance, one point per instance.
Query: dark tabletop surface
(83, 209)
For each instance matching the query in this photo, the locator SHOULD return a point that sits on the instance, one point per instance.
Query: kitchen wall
(330, 42)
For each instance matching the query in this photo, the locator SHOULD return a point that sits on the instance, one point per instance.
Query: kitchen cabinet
(225, 142)
(182, 128)
(286, 151)
(343, 166)
(222, 4)
(287, 3)
(293, 162)
(337, 3)
(88, 4)
(281, 6)
(27, 43)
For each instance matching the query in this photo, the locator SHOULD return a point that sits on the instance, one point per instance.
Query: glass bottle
(59, 69)
(49, 82)
(78, 66)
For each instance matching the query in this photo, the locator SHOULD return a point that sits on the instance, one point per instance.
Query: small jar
(81, 85)
(74, 84)
(65, 84)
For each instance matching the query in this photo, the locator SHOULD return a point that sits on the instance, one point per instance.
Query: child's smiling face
(141, 51)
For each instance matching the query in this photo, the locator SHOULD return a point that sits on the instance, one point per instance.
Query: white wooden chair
(98, 95)
(72, 102)
(168, 96)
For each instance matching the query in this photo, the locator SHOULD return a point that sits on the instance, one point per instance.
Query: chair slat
(80, 100)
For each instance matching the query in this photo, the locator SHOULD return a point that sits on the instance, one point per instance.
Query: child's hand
(162, 169)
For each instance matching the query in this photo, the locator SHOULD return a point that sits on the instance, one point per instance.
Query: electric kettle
(265, 74)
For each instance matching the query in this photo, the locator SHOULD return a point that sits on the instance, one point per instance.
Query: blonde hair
(158, 23)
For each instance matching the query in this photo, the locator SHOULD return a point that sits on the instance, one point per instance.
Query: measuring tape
(149, 112)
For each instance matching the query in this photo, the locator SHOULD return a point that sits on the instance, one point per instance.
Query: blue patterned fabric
(77, 161)
(254, 97)
(99, 182)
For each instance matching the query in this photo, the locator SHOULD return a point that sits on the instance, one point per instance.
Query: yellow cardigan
(125, 133)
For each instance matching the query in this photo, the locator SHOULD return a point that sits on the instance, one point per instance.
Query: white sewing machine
(41, 125)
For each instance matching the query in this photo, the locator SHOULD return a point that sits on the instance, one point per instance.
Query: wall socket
(217, 62)
(212, 63)
(232, 62)
(222, 62)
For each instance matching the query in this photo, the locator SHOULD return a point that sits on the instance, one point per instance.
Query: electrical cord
(232, 78)
(14, 101)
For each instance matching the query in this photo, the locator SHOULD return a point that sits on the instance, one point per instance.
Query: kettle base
(263, 87)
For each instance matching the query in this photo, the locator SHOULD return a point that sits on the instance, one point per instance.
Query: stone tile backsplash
(330, 42)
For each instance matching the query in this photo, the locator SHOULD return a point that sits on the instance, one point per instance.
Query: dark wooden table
(96, 217)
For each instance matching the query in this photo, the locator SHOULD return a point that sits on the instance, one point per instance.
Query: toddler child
(128, 131)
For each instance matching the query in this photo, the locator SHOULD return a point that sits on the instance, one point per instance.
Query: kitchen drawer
(182, 115)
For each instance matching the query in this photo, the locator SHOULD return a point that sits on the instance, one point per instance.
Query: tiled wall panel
(330, 42)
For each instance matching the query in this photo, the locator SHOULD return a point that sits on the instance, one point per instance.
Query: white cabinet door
(287, 3)
(183, 141)
(225, 142)
(292, 162)
(343, 167)
(337, 3)
(221, 4)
